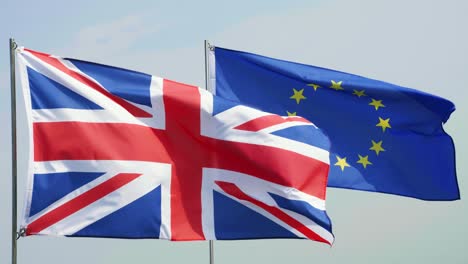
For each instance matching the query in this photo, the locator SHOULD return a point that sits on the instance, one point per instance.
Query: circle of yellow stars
(383, 123)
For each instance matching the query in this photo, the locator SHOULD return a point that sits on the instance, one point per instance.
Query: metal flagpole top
(13, 44)
(207, 74)
(208, 45)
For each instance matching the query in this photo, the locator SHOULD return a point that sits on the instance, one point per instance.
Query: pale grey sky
(420, 44)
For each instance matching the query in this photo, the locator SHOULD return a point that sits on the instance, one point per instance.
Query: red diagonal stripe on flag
(267, 121)
(135, 111)
(233, 190)
(80, 202)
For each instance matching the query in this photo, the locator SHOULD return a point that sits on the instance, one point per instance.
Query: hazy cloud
(104, 40)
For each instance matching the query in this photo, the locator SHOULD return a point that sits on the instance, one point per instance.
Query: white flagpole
(14, 169)
(207, 83)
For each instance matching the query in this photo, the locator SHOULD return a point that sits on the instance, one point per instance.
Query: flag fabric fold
(384, 138)
(123, 154)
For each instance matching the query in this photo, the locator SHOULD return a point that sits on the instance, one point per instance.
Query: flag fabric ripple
(384, 138)
(123, 154)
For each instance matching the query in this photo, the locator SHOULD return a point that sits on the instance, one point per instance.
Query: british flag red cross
(118, 153)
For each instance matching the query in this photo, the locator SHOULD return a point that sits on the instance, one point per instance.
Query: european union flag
(385, 138)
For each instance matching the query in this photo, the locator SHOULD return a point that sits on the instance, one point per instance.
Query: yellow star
(298, 95)
(364, 161)
(341, 162)
(384, 123)
(315, 86)
(291, 114)
(359, 93)
(336, 85)
(377, 147)
(376, 103)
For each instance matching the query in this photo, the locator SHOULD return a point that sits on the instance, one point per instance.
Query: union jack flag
(119, 153)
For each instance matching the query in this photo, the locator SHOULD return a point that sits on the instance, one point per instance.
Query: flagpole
(207, 77)
(14, 170)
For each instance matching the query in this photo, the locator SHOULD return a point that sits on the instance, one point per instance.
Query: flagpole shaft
(14, 170)
(211, 252)
(207, 82)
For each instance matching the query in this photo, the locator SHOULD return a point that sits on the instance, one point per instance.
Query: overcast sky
(419, 44)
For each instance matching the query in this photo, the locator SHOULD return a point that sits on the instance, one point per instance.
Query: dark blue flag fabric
(385, 138)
